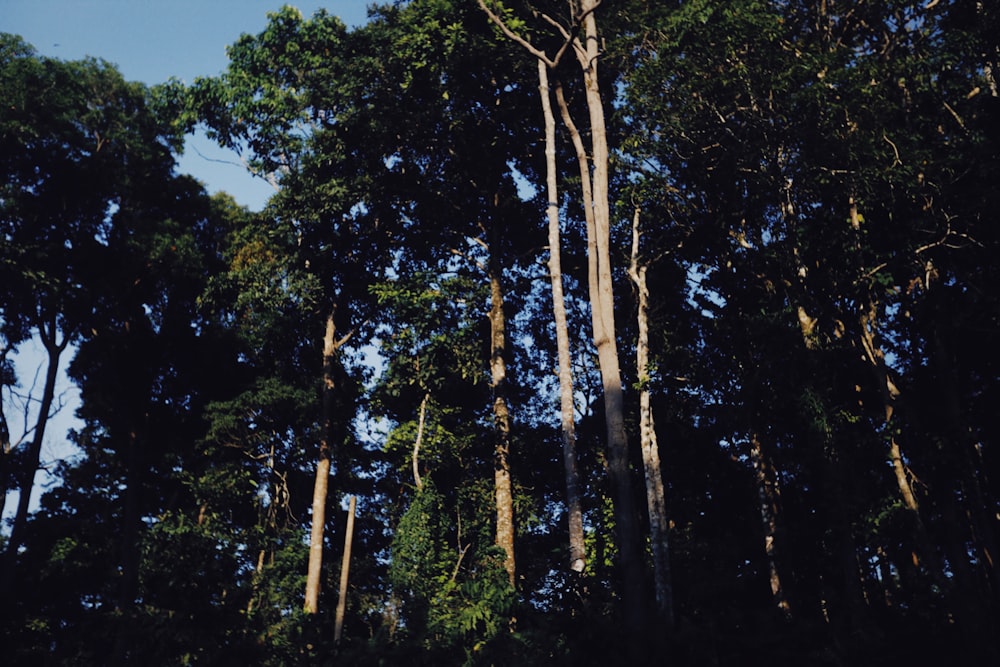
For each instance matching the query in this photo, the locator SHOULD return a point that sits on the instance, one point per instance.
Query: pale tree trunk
(574, 511)
(501, 415)
(321, 484)
(889, 392)
(597, 206)
(656, 502)
(26, 476)
(603, 316)
(873, 354)
(417, 482)
(345, 567)
(767, 498)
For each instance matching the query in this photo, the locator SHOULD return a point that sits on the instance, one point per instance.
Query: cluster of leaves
(816, 185)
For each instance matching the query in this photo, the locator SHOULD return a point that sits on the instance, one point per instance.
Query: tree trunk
(659, 526)
(603, 317)
(577, 550)
(582, 37)
(321, 484)
(841, 545)
(5, 443)
(417, 482)
(30, 463)
(345, 567)
(501, 413)
(767, 495)
(927, 556)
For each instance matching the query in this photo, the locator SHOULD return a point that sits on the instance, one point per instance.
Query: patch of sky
(20, 405)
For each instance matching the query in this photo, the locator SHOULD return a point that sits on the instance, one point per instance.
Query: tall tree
(277, 102)
(581, 35)
(567, 412)
(79, 144)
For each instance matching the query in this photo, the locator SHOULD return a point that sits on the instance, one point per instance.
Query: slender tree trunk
(321, 484)
(417, 482)
(501, 413)
(873, 354)
(32, 459)
(656, 502)
(5, 443)
(577, 550)
(926, 553)
(767, 496)
(603, 316)
(345, 567)
(583, 38)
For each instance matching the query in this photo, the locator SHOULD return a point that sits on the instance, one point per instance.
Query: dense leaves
(816, 185)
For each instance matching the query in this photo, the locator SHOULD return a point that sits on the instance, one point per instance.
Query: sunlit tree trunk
(617, 442)
(501, 414)
(345, 568)
(603, 317)
(659, 525)
(415, 458)
(583, 39)
(322, 481)
(577, 550)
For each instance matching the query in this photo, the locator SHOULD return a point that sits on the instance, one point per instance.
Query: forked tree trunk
(656, 502)
(322, 481)
(624, 508)
(602, 316)
(582, 37)
(574, 511)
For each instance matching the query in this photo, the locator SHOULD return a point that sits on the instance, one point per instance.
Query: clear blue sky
(149, 41)
(153, 40)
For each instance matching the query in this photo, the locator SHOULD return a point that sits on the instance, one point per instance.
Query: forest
(576, 332)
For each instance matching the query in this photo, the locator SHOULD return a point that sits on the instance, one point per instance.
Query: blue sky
(153, 40)
(149, 41)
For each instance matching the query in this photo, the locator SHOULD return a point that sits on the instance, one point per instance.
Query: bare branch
(566, 34)
(510, 34)
(894, 150)
(954, 114)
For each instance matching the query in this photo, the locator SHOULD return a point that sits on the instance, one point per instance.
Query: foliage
(816, 183)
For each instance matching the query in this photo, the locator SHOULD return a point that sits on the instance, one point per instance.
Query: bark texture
(603, 317)
(501, 416)
(767, 498)
(656, 502)
(577, 549)
(345, 568)
(322, 482)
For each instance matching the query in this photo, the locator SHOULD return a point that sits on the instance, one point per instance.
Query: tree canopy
(692, 362)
